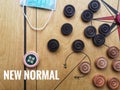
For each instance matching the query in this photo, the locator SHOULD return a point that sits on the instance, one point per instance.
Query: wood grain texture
(11, 39)
(11, 47)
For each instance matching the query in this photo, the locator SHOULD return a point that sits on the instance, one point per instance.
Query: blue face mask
(44, 4)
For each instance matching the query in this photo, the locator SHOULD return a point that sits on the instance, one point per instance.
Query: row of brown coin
(99, 81)
(113, 53)
(101, 63)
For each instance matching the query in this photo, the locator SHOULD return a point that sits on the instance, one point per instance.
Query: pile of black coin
(90, 31)
(66, 29)
(93, 7)
(98, 39)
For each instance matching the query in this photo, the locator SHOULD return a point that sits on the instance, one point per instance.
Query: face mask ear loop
(31, 26)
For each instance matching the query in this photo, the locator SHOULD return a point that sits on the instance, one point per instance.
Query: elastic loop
(31, 26)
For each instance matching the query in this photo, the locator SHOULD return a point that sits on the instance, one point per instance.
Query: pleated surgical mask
(45, 4)
(42, 4)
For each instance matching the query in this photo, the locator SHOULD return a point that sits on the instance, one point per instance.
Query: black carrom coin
(105, 29)
(94, 5)
(78, 46)
(90, 32)
(69, 11)
(98, 40)
(87, 15)
(66, 29)
(53, 45)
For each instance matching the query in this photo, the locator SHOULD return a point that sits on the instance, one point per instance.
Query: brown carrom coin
(101, 63)
(113, 52)
(116, 65)
(113, 83)
(85, 67)
(99, 81)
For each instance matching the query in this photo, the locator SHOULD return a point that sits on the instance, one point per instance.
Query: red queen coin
(31, 59)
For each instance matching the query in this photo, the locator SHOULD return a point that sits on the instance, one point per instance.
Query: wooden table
(12, 45)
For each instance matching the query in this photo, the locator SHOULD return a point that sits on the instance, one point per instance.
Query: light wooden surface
(12, 45)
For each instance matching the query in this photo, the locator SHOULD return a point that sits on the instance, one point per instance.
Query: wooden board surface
(12, 45)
